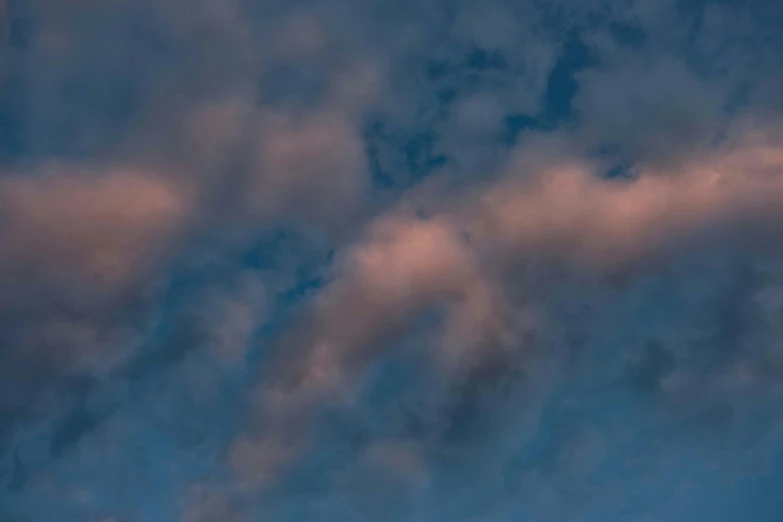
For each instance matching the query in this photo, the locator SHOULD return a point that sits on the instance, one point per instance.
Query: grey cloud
(650, 113)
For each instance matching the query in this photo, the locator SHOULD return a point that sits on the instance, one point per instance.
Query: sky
(412, 261)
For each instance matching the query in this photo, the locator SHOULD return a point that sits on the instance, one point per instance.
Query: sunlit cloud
(507, 260)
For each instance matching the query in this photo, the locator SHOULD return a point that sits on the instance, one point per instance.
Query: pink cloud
(566, 209)
(310, 164)
(107, 226)
(460, 257)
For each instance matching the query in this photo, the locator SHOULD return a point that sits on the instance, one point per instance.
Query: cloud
(679, 111)
(104, 226)
(80, 245)
(487, 261)
(405, 265)
(315, 165)
(464, 259)
(235, 317)
(598, 221)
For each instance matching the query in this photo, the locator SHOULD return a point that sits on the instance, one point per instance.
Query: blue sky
(486, 261)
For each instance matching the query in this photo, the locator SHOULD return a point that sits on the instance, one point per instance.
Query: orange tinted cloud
(460, 258)
(567, 209)
(106, 226)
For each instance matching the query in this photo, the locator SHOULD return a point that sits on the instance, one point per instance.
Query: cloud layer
(487, 261)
